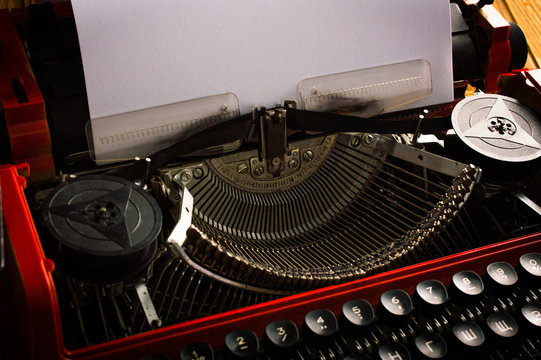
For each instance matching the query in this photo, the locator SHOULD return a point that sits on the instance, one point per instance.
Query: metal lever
(273, 138)
(178, 235)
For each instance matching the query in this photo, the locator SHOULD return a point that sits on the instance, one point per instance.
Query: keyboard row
(494, 316)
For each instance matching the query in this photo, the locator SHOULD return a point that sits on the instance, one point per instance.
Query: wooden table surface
(527, 14)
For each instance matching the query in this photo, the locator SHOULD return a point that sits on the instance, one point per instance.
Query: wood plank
(527, 14)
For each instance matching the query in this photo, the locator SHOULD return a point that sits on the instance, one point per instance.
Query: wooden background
(527, 14)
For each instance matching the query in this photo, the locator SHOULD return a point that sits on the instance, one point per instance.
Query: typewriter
(285, 233)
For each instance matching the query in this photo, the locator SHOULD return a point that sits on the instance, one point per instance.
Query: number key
(529, 267)
(241, 344)
(501, 275)
(282, 334)
(357, 314)
(396, 303)
(431, 292)
(197, 351)
(321, 323)
(468, 283)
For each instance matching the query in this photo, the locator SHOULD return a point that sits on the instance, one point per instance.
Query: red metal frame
(26, 121)
(32, 287)
(523, 85)
(499, 55)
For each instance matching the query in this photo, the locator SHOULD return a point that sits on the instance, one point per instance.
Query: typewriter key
(320, 324)
(430, 296)
(395, 304)
(282, 334)
(196, 351)
(241, 344)
(357, 314)
(430, 346)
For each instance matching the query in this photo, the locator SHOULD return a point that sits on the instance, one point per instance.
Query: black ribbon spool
(103, 228)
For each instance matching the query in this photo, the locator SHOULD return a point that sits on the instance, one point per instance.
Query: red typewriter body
(33, 308)
(30, 314)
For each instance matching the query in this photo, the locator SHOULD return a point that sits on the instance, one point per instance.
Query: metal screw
(223, 107)
(368, 139)
(198, 173)
(258, 171)
(308, 155)
(276, 162)
(292, 163)
(355, 141)
(313, 90)
(242, 168)
(185, 176)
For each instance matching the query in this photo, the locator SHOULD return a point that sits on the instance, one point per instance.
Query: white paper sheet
(140, 54)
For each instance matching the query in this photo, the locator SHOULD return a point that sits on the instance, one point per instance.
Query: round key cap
(501, 275)
(154, 357)
(468, 283)
(282, 334)
(502, 325)
(356, 357)
(321, 323)
(396, 303)
(357, 314)
(241, 344)
(466, 288)
(469, 335)
(531, 317)
(430, 346)
(430, 294)
(196, 351)
(531, 265)
(393, 351)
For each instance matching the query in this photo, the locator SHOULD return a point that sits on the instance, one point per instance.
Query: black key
(430, 346)
(356, 315)
(196, 351)
(502, 326)
(282, 335)
(530, 315)
(468, 283)
(430, 295)
(356, 357)
(241, 344)
(501, 276)
(469, 335)
(321, 323)
(530, 266)
(395, 304)
(393, 351)
(466, 287)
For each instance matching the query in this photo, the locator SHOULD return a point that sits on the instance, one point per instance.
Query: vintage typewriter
(308, 235)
